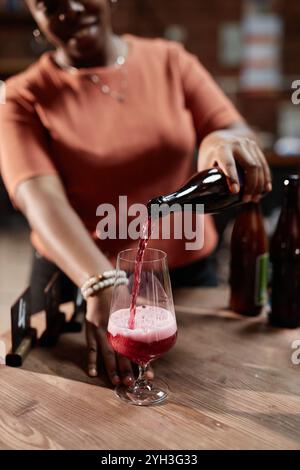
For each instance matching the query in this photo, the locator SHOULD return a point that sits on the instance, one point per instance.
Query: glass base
(148, 394)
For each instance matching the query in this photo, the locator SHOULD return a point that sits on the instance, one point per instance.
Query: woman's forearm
(68, 242)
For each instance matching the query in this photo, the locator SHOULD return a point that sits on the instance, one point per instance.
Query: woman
(104, 116)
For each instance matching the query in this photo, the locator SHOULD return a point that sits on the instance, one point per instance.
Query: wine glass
(152, 331)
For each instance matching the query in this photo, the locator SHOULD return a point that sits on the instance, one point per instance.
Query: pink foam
(151, 324)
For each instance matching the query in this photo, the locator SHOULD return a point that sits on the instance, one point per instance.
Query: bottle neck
(252, 207)
(252, 211)
(291, 200)
(286, 237)
(252, 216)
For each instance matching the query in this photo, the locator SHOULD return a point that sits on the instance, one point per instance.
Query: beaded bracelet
(106, 275)
(107, 279)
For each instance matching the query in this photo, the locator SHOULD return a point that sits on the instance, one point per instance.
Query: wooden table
(232, 382)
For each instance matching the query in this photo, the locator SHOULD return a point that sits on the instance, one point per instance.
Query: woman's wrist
(222, 136)
(94, 268)
(98, 307)
(227, 136)
(102, 297)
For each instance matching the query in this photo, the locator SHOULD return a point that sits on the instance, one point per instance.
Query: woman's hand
(118, 368)
(225, 148)
(97, 315)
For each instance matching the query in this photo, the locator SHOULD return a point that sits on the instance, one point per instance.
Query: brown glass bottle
(209, 187)
(285, 259)
(249, 262)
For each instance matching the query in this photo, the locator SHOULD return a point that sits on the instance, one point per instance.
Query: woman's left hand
(224, 149)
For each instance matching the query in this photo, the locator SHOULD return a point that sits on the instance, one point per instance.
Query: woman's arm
(49, 213)
(223, 135)
(45, 205)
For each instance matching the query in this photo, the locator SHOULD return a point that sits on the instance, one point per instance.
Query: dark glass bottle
(285, 259)
(249, 266)
(209, 187)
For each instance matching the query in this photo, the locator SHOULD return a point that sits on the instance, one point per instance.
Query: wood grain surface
(232, 386)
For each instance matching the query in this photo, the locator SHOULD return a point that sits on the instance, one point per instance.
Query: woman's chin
(85, 42)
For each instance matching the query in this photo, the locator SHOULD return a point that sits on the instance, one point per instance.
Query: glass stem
(142, 372)
(142, 382)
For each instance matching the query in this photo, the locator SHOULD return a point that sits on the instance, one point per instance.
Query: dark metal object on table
(23, 336)
(79, 308)
(56, 323)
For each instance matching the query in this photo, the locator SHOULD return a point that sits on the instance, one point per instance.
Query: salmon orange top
(59, 123)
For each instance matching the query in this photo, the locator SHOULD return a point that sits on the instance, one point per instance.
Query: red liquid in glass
(154, 334)
(138, 352)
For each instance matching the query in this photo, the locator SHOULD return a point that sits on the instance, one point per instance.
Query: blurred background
(251, 47)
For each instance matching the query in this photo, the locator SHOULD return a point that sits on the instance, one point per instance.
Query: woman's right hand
(118, 367)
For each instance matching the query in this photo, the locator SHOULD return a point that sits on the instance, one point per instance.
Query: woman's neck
(113, 48)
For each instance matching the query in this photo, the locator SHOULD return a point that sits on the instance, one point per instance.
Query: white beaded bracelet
(106, 275)
(107, 279)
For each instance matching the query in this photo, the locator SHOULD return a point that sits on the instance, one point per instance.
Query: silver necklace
(104, 87)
